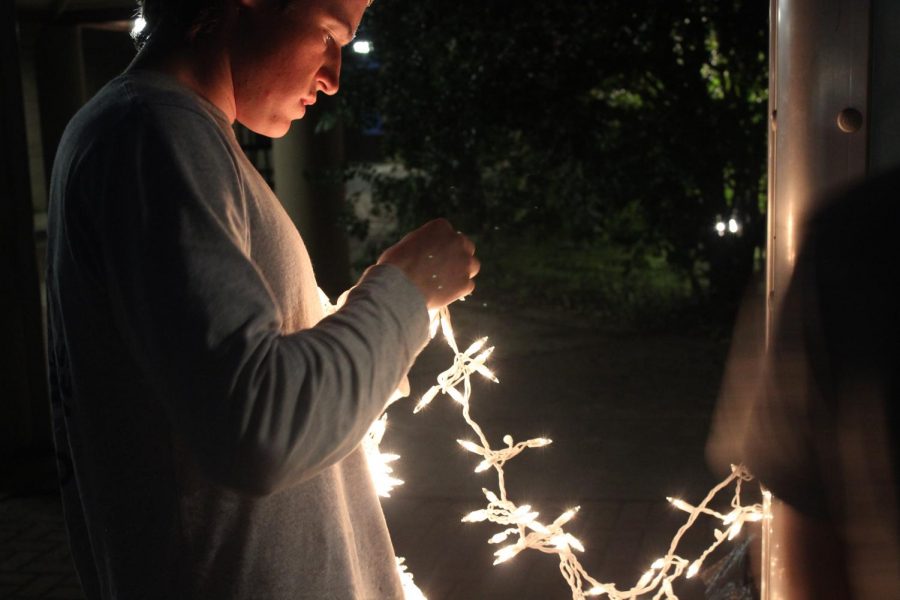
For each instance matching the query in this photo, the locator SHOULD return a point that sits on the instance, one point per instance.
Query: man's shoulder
(138, 100)
(146, 117)
(160, 94)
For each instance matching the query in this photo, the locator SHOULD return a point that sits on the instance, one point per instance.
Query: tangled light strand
(520, 521)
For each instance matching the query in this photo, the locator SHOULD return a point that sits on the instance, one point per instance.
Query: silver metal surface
(820, 69)
(818, 142)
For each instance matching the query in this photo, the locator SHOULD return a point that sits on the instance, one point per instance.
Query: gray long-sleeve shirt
(207, 418)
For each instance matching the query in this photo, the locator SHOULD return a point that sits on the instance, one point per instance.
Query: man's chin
(279, 131)
(272, 129)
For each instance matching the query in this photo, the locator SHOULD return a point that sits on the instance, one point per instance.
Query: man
(208, 420)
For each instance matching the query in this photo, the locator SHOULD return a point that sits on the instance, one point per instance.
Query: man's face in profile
(281, 57)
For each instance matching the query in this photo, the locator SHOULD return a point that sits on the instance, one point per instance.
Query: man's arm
(259, 409)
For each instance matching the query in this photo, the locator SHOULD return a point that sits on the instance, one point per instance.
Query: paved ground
(34, 557)
(628, 414)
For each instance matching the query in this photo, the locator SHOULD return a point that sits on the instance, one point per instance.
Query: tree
(638, 123)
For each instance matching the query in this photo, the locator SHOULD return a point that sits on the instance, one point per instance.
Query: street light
(731, 226)
(362, 47)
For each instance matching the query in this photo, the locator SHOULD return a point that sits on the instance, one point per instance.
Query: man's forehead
(346, 13)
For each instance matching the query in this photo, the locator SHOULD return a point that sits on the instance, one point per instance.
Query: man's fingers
(474, 267)
(466, 291)
(438, 259)
(468, 245)
(470, 289)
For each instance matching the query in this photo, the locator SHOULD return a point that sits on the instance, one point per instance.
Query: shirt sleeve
(259, 409)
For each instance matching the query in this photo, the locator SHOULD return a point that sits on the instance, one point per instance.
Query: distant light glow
(732, 226)
(139, 24)
(362, 47)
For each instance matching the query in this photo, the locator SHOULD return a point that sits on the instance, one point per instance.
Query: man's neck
(202, 67)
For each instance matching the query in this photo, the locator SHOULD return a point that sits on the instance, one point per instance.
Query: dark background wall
(884, 136)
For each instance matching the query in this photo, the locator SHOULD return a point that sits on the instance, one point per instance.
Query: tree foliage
(635, 122)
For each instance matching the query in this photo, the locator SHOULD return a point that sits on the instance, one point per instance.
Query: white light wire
(520, 523)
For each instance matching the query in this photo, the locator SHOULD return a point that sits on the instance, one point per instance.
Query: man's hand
(438, 259)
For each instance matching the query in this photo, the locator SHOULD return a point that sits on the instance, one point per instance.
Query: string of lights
(521, 528)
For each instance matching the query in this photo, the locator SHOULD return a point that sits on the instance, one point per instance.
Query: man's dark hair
(177, 18)
(181, 18)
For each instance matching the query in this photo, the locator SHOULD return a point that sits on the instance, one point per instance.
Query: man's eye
(329, 39)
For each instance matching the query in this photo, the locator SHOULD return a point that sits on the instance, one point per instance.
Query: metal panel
(821, 72)
(818, 141)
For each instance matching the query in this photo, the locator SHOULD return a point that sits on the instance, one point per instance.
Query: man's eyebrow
(349, 32)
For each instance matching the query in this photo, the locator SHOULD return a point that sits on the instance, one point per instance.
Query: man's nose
(329, 76)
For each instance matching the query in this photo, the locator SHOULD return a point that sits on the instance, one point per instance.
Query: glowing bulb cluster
(379, 462)
(410, 590)
(464, 365)
(138, 26)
